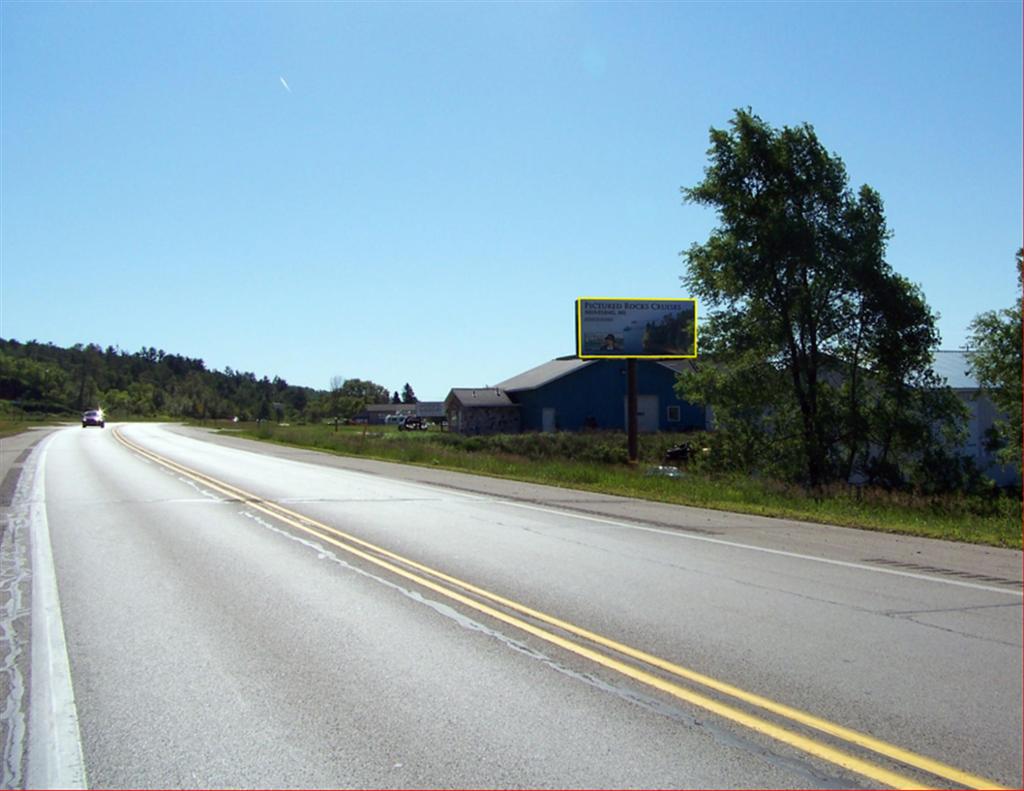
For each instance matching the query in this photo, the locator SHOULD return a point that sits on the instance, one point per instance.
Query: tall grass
(11, 426)
(597, 462)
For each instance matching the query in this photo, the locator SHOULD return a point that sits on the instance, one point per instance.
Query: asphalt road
(241, 615)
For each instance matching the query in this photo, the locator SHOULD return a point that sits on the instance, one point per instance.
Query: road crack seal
(15, 623)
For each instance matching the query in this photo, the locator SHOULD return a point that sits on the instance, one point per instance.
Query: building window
(674, 414)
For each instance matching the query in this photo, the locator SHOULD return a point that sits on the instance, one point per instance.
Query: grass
(9, 427)
(596, 462)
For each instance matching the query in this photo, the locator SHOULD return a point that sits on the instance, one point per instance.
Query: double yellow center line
(513, 614)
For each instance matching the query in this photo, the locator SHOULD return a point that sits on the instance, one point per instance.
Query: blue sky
(417, 192)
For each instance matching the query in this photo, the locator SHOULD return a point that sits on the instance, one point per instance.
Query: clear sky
(417, 192)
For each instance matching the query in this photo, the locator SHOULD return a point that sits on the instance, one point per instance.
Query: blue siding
(596, 392)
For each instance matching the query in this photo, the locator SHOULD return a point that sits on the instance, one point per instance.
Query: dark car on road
(94, 417)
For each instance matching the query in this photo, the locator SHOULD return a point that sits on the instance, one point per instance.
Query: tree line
(816, 355)
(41, 378)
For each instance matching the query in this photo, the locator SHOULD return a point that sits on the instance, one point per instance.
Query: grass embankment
(8, 428)
(596, 462)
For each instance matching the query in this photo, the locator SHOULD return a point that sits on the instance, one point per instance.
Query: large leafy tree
(996, 359)
(820, 350)
(348, 396)
(369, 392)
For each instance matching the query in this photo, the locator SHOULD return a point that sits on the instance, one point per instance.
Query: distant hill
(43, 378)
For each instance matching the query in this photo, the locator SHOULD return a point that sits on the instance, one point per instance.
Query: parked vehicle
(679, 454)
(412, 423)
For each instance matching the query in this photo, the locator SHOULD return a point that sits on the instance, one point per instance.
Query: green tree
(89, 373)
(796, 281)
(369, 392)
(756, 426)
(115, 403)
(317, 408)
(995, 357)
(46, 378)
(141, 395)
(335, 397)
(408, 396)
(43, 384)
(348, 396)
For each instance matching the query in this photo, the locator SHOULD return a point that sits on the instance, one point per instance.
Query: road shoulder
(998, 567)
(14, 452)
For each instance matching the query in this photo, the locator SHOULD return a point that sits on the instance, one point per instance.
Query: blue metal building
(569, 394)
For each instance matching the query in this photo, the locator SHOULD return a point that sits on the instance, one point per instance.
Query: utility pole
(631, 389)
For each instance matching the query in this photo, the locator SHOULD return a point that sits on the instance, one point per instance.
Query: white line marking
(845, 563)
(680, 533)
(54, 748)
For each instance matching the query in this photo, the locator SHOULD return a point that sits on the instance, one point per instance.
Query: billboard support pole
(631, 399)
(609, 328)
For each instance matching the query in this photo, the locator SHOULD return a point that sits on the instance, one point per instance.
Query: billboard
(662, 329)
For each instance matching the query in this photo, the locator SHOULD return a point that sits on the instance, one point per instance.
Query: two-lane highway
(235, 618)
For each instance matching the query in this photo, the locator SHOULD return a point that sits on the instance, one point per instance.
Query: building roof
(952, 366)
(430, 408)
(563, 366)
(481, 397)
(390, 409)
(679, 365)
(544, 373)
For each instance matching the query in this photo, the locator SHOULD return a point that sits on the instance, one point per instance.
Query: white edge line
(55, 757)
(679, 533)
(844, 563)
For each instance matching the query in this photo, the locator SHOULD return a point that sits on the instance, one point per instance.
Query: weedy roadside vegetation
(14, 421)
(597, 462)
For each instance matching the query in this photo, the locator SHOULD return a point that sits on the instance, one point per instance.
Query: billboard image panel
(662, 329)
